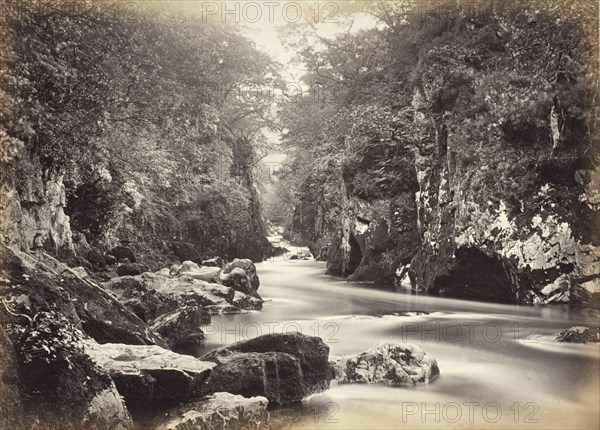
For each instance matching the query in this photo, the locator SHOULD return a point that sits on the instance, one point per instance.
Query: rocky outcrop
(35, 205)
(146, 303)
(11, 409)
(202, 286)
(39, 282)
(150, 376)
(55, 381)
(249, 269)
(388, 364)
(579, 335)
(219, 411)
(284, 368)
(181, 327)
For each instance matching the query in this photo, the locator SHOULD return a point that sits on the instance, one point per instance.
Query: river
(499, 365)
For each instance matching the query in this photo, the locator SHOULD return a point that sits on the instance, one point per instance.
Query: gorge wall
(476, 176)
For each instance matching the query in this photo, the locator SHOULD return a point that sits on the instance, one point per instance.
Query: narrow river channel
(500, 367)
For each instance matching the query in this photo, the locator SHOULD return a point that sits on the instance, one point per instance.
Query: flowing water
(499, 365)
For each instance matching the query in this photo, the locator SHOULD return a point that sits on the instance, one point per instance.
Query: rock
(110, 259)
(192, 270)
(245, 301)
(274, 375)
(248, 267)
(213, 262)
(282, 367)
(181, 328)
(120, 252)
(215, 298)
(34, 201)
(239, 281)
(11, 409)
(146, 303)
(131, 269)
(50, 284)
(224, 411)
(186, 252)
(96, 259)
(150, 376)
(56, 381)
(387, 364)
(579, 335)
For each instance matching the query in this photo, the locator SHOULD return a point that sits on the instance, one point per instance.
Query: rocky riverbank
(122, 353)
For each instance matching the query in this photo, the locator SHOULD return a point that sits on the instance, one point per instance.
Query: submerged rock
(150, 376)
(284, 368)
(387, 364)
(223, 411)
(579, 335)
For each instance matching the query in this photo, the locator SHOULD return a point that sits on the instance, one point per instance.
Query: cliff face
(32, 210)
(472, 171)
(457, 238)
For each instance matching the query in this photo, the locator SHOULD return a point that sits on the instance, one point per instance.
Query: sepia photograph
(299, 215)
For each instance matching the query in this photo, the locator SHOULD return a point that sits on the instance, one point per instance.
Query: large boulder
(96, 259)
(181, 328)
(579, 335)
(239, 281)
(223, 411)
(45, 283)
(150, 376)
(214, 298)
(282, 367)
(58, 384)
(274, 375)
(248, 267)
(146, 303)
(213, 262)
(387, 364)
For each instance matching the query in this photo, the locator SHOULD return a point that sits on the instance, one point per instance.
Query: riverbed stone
(181, 327)
(579, 334)
(150, 376)
(248, 266)
(220, 410)
(284, 367)
(388, 364)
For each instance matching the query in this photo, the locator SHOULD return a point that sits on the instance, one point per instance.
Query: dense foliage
(145, 115)
(502, 96)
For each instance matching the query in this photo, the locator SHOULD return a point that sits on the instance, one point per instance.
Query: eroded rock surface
(388, 364)
(150, 376)
(284, 368)
(579, 334)
(224, 411)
